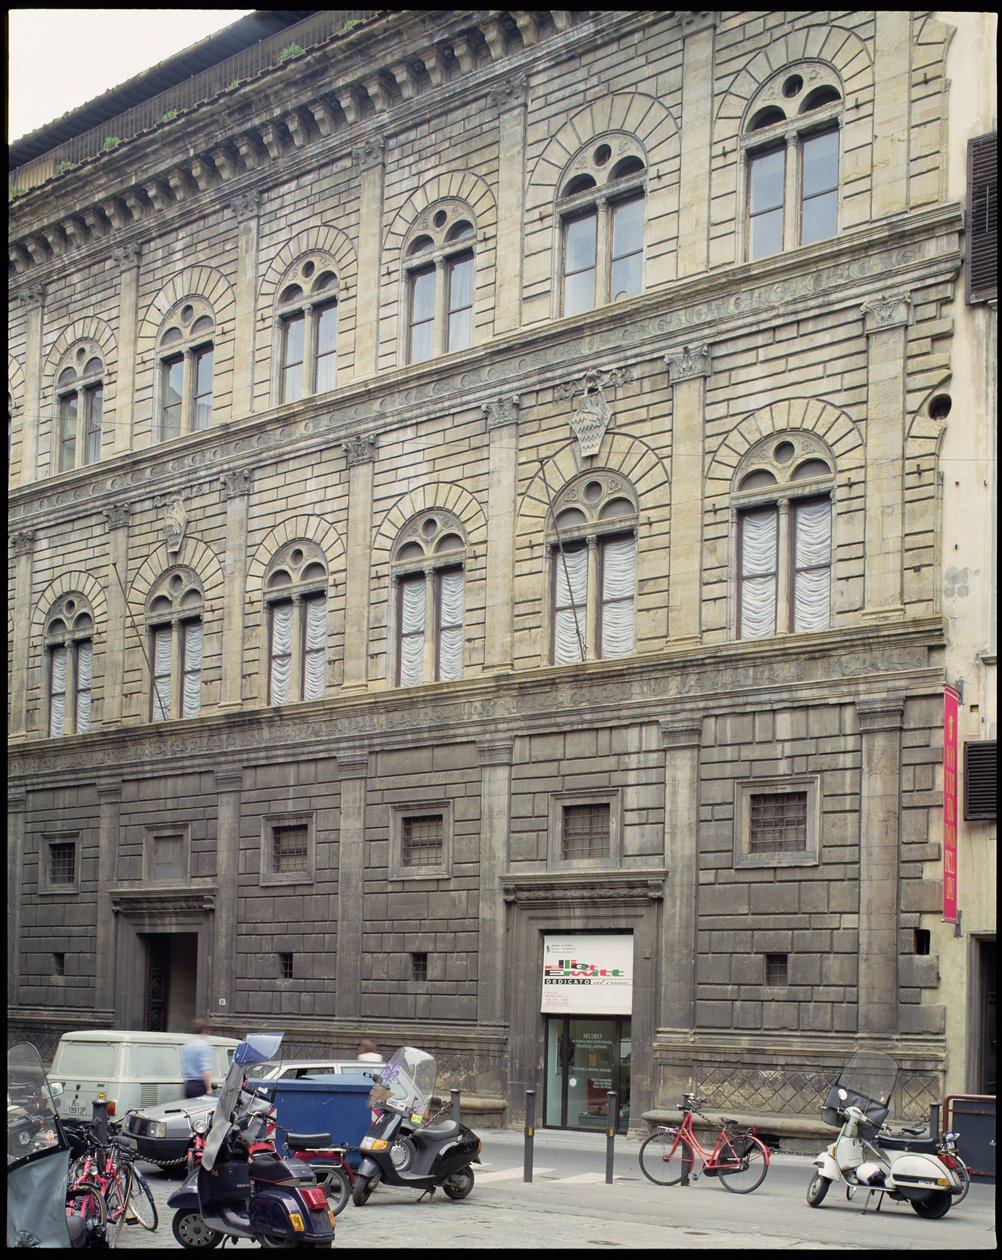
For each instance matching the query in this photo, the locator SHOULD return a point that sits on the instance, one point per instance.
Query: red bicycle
(739, 1160)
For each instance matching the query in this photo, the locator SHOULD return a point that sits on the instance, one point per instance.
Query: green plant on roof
(234, 85)
(169, 116)
(291, 50)
(63, 167)
(349, 24)
(18, 192)
(111, 141)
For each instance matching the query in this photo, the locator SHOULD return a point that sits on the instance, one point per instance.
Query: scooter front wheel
(192, 1232)
(817, 1190)
(362, 1188)
(460, 1184)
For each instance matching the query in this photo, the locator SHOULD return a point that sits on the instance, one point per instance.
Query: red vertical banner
(951, 701)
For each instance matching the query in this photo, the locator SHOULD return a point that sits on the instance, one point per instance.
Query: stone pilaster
(351, 868)
(220, 984)
(508, 99)
(697, 109)
(880, 723)
(16, 802)
(234, 488)
(117, 519)
(886, 325)
(688, 371)
(891, 121)
(502, 432)
(33, 298)
(495, 824)
(361, 455)
(245, 208)
(21, 549)
(127, 257)
(109, 796)
(369, 158)
(678, 925)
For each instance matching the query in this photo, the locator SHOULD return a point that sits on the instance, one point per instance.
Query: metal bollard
(612, 1115)
(454, 1094)
(530, 1120)
(99, 1109)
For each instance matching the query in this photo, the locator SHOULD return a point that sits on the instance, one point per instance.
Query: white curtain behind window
(450, 641)
(619, 574)
(192, 699)
(281, 653)
(161, 673)
(759, 536)
(85, 658)
(570, 604)
(315, 665)
(57, 690)
(411, 631)
(812, 565)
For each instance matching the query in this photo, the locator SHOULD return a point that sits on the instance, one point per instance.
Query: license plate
(74, 1109)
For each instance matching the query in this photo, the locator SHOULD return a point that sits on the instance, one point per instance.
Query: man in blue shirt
(198, 1061)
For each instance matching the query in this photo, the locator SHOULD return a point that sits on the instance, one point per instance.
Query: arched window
(783, 506)
(80, 406)
(600, 207)
(69, 650)
(174, 630)
(429, 561)
(592, 540)
(791, 146)
(185, 352)
(439, 272)
(307, 330)
(295, 596)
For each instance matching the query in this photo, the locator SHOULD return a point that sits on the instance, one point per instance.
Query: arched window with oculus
(80, 408)
(791, 144)
(439, 277)
(174, 613)
(69, 652)
(783, 516)
(600, 208)
(295, 598)
(429, 584)
(185, 352)
(592, 541)
(307, 329)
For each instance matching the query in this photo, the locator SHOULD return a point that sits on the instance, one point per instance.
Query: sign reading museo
(587, 975)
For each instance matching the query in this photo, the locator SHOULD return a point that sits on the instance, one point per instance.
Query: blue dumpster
(337, 1105)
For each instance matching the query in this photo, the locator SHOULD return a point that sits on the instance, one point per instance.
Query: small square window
(777, 968)
(62, 870)
(285, 967)
(419, 966)
(288, 850)
(777, 822)
(923, 941)
(422, 839)
(586, 831)
(59, 964)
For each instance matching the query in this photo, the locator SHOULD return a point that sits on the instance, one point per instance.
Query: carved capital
(510, 94)
(695, 21)
(353, 765)
(886, 714)
(360, 449)
(495, 752)
(369, 153)
(687, 363)
(31, 296)
(245, 205)
(21, 543)
(117, 515)
(127, 256)
(503, 410)
(681, 732)
(887, 311)
(233, 484)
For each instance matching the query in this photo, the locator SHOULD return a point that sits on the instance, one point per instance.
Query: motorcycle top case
(229, 1182)
(833, 1112)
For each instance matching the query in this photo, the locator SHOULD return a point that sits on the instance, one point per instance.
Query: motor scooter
(241, 1187)
(40, 1212)
(859, 1102)
(404, 1147)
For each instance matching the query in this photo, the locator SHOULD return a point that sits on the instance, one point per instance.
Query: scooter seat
(308, 1141)
(438, 1132)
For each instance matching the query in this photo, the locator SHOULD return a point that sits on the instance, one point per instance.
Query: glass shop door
(585, 1058)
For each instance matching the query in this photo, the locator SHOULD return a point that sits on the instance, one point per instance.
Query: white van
(131, 1069)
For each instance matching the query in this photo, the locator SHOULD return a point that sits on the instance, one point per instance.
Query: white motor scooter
(859, 1101)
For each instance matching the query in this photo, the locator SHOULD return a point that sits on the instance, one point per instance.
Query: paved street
(569, 1205)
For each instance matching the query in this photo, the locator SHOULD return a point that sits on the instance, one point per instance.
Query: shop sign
(951, 700)
(587, 975)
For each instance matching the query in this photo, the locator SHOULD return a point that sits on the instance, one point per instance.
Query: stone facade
(342, 161)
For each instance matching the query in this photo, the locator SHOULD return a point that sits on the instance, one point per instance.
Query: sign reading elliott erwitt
(587, 975)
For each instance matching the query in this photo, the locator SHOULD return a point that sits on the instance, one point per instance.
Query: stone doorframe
(577, 902)
(162, 912)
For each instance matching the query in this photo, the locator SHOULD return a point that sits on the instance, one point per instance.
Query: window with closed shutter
(980, 780)
(982, 218)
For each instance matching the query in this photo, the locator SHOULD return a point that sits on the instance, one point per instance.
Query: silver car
(164, 1133)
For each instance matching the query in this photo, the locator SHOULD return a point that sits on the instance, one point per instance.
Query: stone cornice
(574, 886)
(674, 690)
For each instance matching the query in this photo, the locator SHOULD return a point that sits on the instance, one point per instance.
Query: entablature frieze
(579, 888)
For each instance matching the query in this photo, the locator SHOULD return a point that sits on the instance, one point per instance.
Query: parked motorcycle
(38, 1161)
(404, 1146)
(859, 1102)
(241, 1187)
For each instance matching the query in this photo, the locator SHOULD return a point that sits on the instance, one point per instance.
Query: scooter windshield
(256, 1048)
(407, 1082)
(32, 1126)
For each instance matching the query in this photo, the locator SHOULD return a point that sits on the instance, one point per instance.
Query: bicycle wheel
(742, 1164)
(964, 1177)
(86, 1200)
(116, 1197)
(665, 1157)
(141, 1203)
